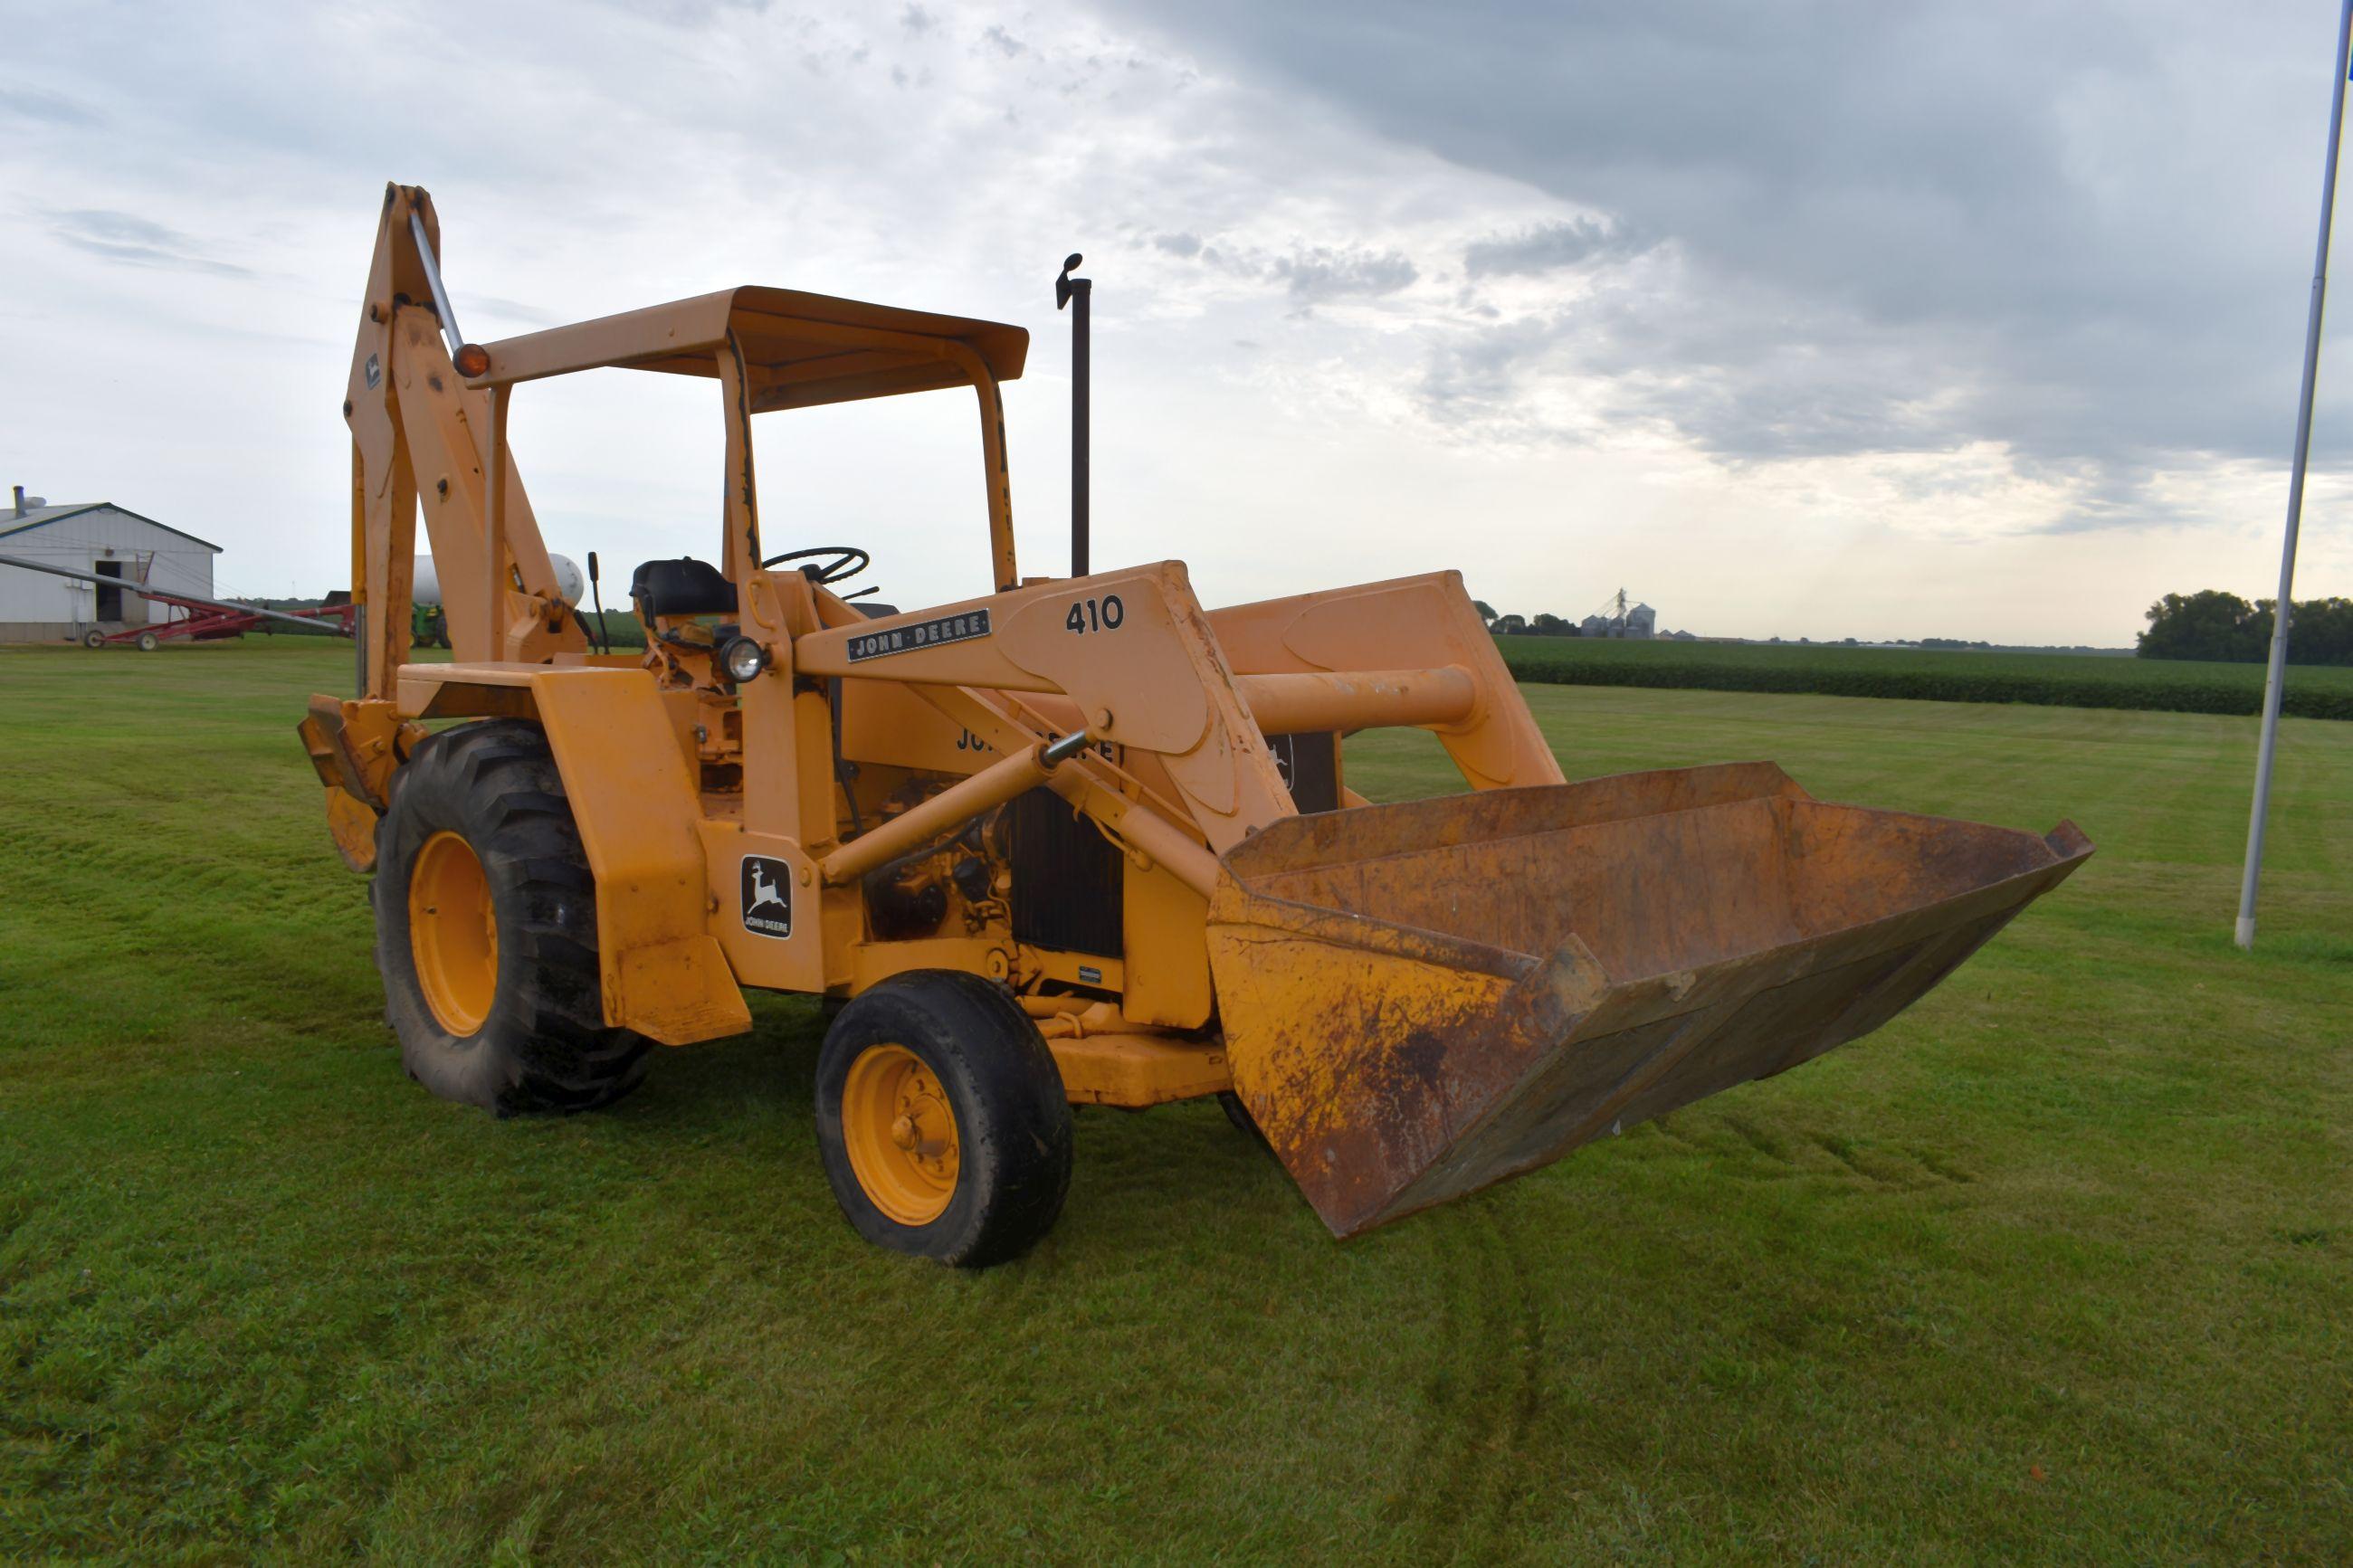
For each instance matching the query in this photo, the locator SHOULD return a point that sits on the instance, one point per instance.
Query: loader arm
(1133, 651)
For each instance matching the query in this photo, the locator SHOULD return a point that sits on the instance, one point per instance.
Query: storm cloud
(1837, 319)
(1892, 227)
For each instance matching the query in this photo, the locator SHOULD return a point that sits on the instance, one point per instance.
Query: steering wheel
(843, 561)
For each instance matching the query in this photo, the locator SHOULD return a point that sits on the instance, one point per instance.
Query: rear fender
(624, 774)
(639, 818)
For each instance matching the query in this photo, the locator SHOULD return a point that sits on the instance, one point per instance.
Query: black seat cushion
(681, 588)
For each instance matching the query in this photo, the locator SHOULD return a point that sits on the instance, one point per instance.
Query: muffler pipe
(1079, 294)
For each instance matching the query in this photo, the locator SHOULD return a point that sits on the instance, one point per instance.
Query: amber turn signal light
(473, 360)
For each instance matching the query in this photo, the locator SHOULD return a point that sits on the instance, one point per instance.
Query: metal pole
(1079, 294)
(2284, 611)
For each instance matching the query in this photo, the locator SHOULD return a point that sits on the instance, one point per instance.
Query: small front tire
(942, 1120)
(149, 642)
(1244, 1123)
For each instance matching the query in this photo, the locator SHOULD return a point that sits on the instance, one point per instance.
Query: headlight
(743, 659)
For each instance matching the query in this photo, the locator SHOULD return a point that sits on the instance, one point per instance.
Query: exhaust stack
(1066, 290)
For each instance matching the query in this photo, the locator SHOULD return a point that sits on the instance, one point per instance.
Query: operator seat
(663, 589)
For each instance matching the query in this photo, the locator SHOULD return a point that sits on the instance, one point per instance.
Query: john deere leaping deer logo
(767, 895)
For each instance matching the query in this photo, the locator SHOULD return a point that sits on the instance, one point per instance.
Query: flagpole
(2284, 609)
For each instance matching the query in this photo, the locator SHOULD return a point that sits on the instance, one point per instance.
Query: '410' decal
(1103, 615)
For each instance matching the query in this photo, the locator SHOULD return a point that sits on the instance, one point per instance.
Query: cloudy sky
(1965, 318)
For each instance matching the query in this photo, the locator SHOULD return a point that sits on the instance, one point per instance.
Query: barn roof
(40, 516)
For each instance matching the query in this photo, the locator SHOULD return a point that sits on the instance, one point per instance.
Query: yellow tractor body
(1077, 841)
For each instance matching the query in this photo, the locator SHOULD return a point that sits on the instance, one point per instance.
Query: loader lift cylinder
(949, 809)
(1358, 699)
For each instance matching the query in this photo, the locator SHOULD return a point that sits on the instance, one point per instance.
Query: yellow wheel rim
(900, 1132)
(453, 933)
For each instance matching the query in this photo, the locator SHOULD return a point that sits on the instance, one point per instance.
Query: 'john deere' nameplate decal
(939, 630)
(767, 895)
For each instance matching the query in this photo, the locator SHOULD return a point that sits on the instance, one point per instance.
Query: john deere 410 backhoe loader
(1073, 840)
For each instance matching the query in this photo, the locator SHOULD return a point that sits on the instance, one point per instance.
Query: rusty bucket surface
(1425, 998)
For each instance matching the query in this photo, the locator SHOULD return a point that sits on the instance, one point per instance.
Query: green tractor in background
(428, 626)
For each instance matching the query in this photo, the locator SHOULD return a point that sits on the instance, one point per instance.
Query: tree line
(2212, 624)
(1543, 624)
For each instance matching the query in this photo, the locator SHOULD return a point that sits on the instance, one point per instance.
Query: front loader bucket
(1422, 999)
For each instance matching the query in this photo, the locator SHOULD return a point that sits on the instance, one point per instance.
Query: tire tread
(547, 1028)
(1013, 1116)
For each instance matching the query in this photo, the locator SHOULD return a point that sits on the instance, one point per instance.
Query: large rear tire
(486, 929)
(942, 1120)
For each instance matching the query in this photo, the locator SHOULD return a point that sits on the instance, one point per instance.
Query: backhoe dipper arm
(420, 433)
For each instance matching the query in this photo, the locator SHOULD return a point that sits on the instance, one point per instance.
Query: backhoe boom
(421, 434)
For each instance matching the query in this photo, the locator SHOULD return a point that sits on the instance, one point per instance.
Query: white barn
(101, 538)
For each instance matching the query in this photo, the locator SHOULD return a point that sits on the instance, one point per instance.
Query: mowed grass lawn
(2058, 1266)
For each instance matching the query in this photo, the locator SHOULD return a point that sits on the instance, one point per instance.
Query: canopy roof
(799, 350)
